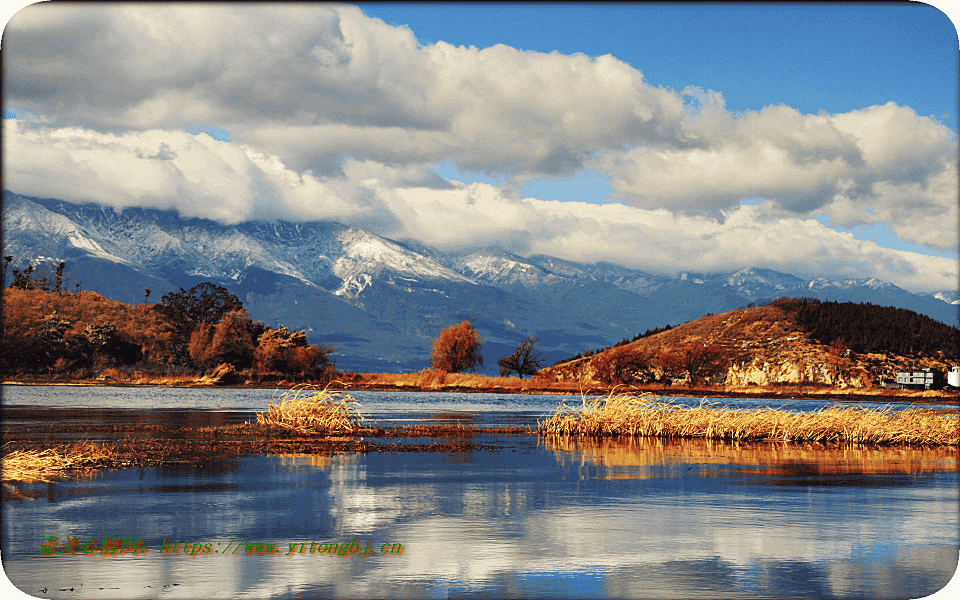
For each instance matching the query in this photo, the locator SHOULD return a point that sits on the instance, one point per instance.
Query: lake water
(525, 516)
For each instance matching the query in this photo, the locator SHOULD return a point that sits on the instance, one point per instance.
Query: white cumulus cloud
(334, 115)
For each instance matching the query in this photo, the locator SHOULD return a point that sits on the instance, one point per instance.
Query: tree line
(49, 330)
(868, 328)
(30, 278)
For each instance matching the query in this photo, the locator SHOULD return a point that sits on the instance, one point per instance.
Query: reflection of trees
(313, 460)
(206, 480)
(772, 458)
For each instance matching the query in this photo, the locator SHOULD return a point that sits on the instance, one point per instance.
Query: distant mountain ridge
(382, 301)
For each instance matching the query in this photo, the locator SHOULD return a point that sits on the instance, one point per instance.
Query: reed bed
(625, 415)
(31, 466)
(310, 410)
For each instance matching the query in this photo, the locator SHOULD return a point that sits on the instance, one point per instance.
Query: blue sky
(811, 57)
(814, 139)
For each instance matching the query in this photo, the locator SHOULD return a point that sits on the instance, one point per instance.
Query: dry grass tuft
(623, 415)
(31, 466)
(430, 379)
(307, 409)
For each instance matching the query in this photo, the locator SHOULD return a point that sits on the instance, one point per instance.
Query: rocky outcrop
(763, 372)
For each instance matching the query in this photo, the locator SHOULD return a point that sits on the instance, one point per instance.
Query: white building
(953, 377)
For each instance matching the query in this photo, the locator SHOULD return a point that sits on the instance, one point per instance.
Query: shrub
(623, 415)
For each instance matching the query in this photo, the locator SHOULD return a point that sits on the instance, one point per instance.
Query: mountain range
(381, 302)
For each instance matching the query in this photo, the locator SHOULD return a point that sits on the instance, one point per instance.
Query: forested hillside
(867, 328)
(82, 334)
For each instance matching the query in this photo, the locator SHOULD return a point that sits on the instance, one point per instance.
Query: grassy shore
(632, 415)
(437, 381)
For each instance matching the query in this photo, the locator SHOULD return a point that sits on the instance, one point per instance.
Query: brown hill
(204, 332)
(759, 346)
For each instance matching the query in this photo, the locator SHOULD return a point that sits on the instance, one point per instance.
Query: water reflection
(664, 457)
(308, 460)
(533, 518)
(524, 516)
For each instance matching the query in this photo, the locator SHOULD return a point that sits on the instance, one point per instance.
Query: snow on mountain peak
(364, 256)
(948, 296)
(30, 219)
(502, 268)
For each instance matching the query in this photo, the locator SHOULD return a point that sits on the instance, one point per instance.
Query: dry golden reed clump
(31, 466)
(307, 409)
(431, 378)
(623, 415)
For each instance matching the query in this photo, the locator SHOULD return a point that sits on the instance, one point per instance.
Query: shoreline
(785, 392)
(148, 446)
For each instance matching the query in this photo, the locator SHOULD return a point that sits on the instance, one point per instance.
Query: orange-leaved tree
(232, 340)
(287, 352)
(457, 349)
(697, 360)
(620, 365)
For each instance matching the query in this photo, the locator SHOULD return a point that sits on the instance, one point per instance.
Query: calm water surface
(522, 517)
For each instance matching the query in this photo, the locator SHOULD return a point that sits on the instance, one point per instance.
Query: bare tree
(619, 365)
(699, 361)
(6, 261)
(837, 359)
(522, 362)
(59, 277)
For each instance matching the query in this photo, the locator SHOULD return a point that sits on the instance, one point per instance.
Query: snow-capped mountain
(382, 301)
(502, 269)
(757, 284)
(364, 257)
(951, 296)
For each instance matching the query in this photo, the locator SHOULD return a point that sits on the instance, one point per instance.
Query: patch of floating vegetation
(32, 466)
(644, 415)
(306, 409)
